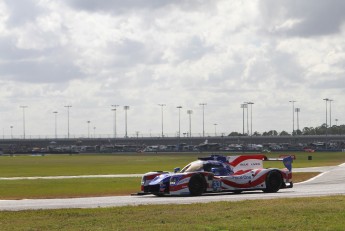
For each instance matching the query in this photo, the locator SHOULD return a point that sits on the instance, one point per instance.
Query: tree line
(321, 130)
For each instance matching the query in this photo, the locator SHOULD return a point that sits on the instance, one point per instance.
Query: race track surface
(330, 182)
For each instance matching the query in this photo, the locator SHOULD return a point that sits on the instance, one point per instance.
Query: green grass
(320, 213)
(87, 187)
(67, 188)
(57, 165)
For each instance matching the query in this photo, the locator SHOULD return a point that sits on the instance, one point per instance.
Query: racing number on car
(216, 185)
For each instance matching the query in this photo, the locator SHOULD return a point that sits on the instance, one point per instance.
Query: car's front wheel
(196, 185)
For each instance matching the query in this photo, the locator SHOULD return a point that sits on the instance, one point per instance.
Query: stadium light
(179, 120)
(203, 118)
(114, 109)
(162, 105)
(68, 107)
(293, 116)
(297, 110)
(326, 100)
(23, 107)
(330, 112)
(55, 112)
(243, 106)
(190, 112)
(215, 129)
(88, 128)
(126, 108)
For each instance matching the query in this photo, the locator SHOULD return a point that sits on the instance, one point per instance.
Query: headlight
(143, 179)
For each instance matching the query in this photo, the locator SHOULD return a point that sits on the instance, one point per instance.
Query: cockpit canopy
(207, 166)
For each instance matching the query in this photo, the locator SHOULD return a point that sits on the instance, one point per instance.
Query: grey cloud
(28, 65)
(194, 49)
(8, 50)
(131, 52)
(22, 12)
(318, 17)
(117, 6)
(39, 72)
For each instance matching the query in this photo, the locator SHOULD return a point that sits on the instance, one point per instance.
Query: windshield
(193, 167)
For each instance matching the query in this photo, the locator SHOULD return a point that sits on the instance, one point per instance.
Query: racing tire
(196, 185)
(274, 182)
(158, 194)
(238, 191)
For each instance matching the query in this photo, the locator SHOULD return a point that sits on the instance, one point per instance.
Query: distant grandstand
(152, 144)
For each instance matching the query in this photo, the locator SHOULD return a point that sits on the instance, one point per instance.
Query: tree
(284, 133)
(235, 134)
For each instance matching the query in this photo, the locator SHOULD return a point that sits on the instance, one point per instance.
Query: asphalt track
(330, 182)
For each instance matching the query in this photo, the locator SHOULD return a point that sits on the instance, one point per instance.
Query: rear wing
(246, 162)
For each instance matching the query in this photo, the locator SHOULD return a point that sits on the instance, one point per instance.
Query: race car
(218, 173)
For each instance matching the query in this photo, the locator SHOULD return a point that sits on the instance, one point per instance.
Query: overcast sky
(93, 54)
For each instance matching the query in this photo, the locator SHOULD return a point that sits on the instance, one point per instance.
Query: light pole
(336, 122)
(215, 129)
(88, 128)
(162, 105)
(94, 132)
(126, 108)
(326, 100)
(114, 109)
(55, 112)
(23, 107)
(297, 110)
(179, 120)
(330, 112)
(251, 117)
(243, 106)
(203, 118)
(190, 112)
(68, 107)
(11, 131)
(293, 116)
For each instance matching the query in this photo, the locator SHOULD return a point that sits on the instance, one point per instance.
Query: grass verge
(320, 213)
(96, 164)
(82, 187)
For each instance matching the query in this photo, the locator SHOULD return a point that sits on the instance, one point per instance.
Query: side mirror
(176, 170)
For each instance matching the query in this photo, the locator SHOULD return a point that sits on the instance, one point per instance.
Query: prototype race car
(218, 173)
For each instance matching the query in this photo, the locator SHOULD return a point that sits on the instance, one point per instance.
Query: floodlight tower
(55, 112)
(126, 108)
(190, 112)
(88, 128)
(243, 106)
(251, 117)
(23, 107)
(297, 110)
(114, 109)
(215, 129)
(203, 118)
(293, 116)
(68, 107)
(326, 100)
(162, 105)
(179, 120)
(330, 112)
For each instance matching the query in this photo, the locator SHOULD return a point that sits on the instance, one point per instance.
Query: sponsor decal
(216, 185)
(243, 177)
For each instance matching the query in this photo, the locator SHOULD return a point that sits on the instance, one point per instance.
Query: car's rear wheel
(274, 182)
(196, 185)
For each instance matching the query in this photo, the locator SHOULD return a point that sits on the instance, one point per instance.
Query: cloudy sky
(93, 54)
